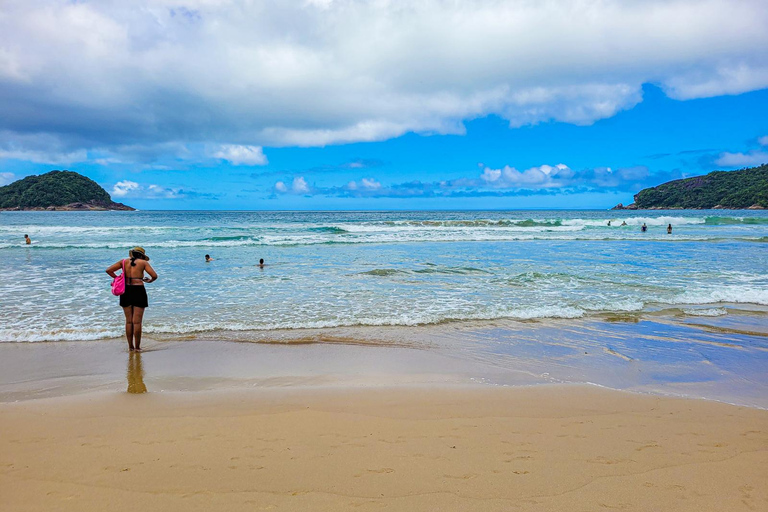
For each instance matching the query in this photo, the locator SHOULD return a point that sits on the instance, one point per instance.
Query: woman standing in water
(134, 300)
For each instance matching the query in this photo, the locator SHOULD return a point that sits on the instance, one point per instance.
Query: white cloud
(317, 72)
(6, 178)
(763, 141)
(366, 184)
(370, 184)
(158, 191)
(128, 188)
(299, 187)
(506, 181)
(242, 155)
(124, 188)
(754, 157)
(44, 157)
(540, 177)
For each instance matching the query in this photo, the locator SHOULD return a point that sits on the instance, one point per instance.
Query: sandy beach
(404, 440)
(541, 448)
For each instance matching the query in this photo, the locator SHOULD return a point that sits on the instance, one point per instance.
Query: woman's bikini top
(132, 278)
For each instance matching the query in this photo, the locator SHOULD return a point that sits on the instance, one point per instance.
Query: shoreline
(485, 358)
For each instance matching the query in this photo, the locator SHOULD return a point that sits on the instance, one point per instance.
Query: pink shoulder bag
(118, 283)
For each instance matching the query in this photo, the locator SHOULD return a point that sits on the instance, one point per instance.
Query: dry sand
(545, 448)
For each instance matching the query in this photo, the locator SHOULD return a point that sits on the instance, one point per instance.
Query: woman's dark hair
(26, 236)
(134, 255)
(207, 256)
(261, 260)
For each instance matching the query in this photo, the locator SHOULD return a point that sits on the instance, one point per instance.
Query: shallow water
(331, 269)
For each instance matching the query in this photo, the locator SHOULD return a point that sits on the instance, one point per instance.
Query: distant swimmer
(669, 229)
(208, 258)
(27, 240)
(624, 223)
(261, 263)
(609, 223)
(644, 228)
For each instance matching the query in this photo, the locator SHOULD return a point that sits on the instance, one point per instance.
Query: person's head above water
(207, 257)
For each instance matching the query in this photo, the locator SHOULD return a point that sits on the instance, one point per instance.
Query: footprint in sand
(604, 460)
(380, 471)
(468, 476)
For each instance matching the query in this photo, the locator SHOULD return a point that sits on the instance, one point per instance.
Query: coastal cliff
(57, 190)
(743, 189)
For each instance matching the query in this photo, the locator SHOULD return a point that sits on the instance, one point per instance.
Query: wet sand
(569, 448)
(206, 425)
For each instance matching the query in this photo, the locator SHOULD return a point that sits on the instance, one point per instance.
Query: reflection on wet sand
(135, 374)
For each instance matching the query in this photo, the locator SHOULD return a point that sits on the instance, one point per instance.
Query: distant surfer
(644, 228)
(27, 240)
(669, 229)
(208, 258)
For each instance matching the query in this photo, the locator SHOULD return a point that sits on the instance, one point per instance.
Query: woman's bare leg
(129, 326)
(138, 316)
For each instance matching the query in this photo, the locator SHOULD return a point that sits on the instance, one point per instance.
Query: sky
(381, 104)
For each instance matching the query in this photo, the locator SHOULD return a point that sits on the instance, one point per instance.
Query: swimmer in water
(27, 240)
(644, 228)
(261, 263)
(669, 229)
(609, 223)
(208, 258)
(624, 223)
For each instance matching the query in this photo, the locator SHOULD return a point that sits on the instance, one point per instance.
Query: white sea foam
(705, 311)
(734, 294)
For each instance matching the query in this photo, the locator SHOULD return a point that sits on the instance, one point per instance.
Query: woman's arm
(111, 270)
(149, 270)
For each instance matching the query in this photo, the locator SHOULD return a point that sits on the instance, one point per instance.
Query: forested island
(57, 190)
(743, 189)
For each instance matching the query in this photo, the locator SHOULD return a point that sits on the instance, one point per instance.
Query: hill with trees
(57, 190)
(743, 189)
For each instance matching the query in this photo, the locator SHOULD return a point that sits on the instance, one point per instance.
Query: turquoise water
(334, 269)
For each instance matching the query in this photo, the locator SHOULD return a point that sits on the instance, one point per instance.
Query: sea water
(334, 269)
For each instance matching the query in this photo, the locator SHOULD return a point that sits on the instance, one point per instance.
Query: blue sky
(389, 105)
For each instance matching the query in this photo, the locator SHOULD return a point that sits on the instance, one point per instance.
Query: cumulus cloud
(540, 177)
(750, 158)
(299, 187)
(124, 188)
(37, 148)
(133, 73)
(506, 181)
(241, 155)
(132, 189)
(364, 184)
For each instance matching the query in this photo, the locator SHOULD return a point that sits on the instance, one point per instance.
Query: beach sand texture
(569, 448)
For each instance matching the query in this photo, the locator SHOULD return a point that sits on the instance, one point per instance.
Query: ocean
(513, 297)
